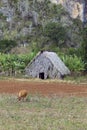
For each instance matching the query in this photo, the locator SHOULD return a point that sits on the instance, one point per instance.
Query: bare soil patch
(43, 87)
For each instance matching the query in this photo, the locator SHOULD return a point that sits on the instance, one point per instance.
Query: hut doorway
(41, 75)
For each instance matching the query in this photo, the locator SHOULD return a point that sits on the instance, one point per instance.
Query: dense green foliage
(7, 45)
(84, 47)
(55, 32)
(74, 63)
(13, 64)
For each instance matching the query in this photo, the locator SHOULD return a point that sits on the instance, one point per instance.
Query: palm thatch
(46, 65)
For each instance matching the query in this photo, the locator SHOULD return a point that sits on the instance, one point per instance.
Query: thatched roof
(55, 60)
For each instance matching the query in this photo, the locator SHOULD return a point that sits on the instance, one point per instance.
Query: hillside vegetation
(27, 23)
(29, 26)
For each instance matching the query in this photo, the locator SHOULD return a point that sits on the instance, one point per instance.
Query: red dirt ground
(43, 87)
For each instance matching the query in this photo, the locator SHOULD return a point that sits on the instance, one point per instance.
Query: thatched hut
(46, 65)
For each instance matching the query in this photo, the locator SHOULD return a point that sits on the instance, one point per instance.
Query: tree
(6, 45)
(55, 32)
(84, 47)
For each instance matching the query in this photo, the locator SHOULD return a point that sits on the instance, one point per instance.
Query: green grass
(43, 113)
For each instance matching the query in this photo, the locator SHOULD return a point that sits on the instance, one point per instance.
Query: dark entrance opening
(41, 75)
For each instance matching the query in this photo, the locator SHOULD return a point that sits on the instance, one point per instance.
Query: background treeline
(74, 58)
(14, 65)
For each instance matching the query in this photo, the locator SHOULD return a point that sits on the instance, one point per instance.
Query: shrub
(74, 63)
(14, 63)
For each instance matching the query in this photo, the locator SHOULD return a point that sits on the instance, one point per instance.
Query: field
(43, 87)
(50, 105)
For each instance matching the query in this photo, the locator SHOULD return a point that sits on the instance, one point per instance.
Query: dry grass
(43, 113)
